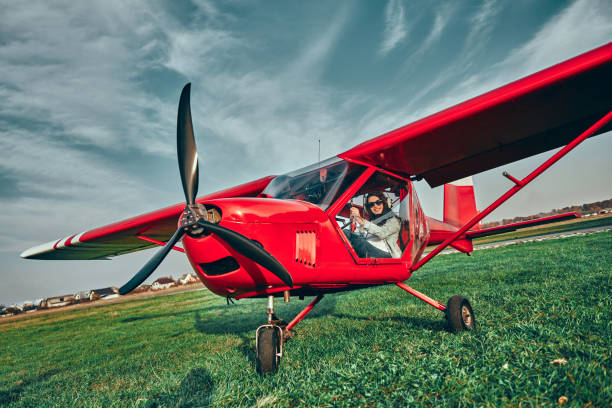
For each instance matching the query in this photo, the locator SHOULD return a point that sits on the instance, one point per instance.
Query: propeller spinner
(193, 221)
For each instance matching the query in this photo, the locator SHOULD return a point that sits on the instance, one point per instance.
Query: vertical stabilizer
(459, 202)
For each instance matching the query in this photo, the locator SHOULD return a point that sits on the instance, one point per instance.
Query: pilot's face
(375, 204)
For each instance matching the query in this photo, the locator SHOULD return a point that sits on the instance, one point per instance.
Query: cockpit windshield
(319, 184)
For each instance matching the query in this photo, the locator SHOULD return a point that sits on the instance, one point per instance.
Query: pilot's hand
(356, 216)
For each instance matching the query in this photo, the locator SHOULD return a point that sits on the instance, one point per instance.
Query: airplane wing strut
(518, 185)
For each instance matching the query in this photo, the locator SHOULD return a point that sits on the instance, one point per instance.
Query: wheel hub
(466, 315)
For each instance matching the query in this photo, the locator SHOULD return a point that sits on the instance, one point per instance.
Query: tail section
(460, 203)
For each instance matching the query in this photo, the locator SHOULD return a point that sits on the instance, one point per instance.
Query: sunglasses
(373, 203)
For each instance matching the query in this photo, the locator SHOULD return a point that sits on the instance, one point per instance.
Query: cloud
(65, 66)
(581, 26)
(481, 25)
(312, 60)
(441, 20)
(395, 26)
(274, 111)
(71, 105)
(78, 112)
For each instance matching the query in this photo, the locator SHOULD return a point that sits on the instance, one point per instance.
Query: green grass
(534, 303)
(566, 226)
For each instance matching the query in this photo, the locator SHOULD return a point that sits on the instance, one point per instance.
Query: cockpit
(324, 183)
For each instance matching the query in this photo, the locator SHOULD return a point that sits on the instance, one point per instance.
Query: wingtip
(33, 252)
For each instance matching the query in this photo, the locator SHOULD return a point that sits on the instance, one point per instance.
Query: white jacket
(388, 234)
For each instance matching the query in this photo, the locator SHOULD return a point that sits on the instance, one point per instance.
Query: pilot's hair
(382, 197)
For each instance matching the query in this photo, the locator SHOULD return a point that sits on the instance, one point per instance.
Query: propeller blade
(186, 147)
(251, 250)
(152, 264)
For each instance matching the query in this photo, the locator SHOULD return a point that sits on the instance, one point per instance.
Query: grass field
(534, 303)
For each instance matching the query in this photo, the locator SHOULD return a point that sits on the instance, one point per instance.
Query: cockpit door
(419, 231)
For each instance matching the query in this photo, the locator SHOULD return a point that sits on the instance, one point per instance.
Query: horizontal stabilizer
(518, 225)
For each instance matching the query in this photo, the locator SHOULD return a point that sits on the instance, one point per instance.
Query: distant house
(13, 310)
(187, 279)
(104, 293)
(163, 283)
(83, 296)
(27, 306)
(2, 310)
(57, 301)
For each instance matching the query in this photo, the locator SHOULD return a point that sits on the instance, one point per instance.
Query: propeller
(188, 167)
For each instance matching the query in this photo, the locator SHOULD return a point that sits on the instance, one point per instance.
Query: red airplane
(293, 234)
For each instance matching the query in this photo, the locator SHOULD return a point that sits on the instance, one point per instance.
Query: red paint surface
(304, 312)
(422, 296)
(459, 204)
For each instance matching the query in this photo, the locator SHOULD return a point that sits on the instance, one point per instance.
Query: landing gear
(270, 337)
(269, 342)
(459, 314)
(458, 311)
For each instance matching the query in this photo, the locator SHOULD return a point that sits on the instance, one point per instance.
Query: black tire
(268, 347)
(459, 314)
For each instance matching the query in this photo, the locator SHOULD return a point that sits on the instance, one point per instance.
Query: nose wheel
(269, 342)
(270, 337)
(269, 348)
(459, 314)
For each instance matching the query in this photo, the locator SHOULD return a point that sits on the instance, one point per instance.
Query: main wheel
(459, 314)
(268, 348)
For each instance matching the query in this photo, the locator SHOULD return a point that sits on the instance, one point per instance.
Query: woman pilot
(376, 238)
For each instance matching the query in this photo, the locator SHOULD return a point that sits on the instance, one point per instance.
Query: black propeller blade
(152, 264)
(249, 249)
(186, 147)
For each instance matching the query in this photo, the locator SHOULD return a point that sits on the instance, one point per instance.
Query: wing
(131, 235)
(532, 115)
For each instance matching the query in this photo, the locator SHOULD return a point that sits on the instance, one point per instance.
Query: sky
(89, 94)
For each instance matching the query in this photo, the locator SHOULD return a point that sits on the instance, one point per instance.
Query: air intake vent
(220, 267)
(306, 247)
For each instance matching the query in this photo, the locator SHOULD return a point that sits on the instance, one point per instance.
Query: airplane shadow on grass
(13, 394)
(407, 322)
(238, 319)
(241, 319)
(195, 391)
